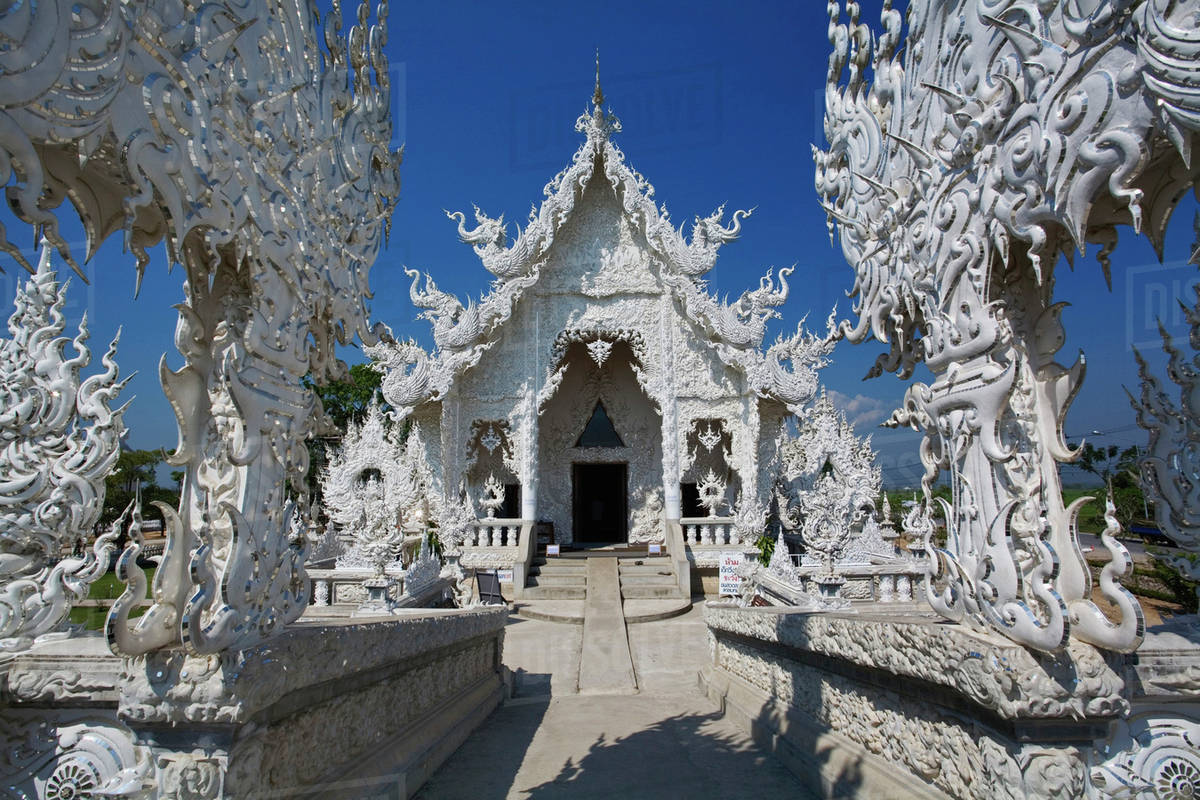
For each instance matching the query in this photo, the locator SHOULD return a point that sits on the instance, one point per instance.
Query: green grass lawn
(106, 587)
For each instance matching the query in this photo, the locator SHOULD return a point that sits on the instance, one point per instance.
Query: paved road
(668, 741)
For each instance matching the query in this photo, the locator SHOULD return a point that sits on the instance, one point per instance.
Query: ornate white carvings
(493, 496)
(1171, 466)
(370, 449)
(462, 334)
(1009, 134)
(831, 476)
(59, 439)
(712, 493)
(262, 158)
(1153, 754)
(599, 351)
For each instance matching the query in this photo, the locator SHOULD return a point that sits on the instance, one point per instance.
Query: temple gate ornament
(59, 440)
(1171, 468)
(493, 496)
(263, 161)
(1007, 135)
(826, 487)
(711, 490)
(276, 229)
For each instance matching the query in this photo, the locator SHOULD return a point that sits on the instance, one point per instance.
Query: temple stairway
(557, 587)
(556, 579)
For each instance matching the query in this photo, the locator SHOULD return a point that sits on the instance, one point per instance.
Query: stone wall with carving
(965, 714)
(60, 736)
(245, 725)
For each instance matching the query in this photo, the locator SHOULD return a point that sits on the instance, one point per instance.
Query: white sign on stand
(728, 575)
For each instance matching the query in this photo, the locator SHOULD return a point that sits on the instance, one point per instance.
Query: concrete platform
(567, 612)
(668, 741)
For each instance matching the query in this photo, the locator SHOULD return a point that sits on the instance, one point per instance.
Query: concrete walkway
(666, 741)
(605, 666)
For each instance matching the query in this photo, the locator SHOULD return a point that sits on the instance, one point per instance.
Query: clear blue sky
(719, 103)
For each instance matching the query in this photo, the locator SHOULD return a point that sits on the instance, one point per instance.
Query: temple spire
(598, 95)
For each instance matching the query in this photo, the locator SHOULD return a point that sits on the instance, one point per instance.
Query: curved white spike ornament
(1009, 134)
(263, 160)
(59, 440)
(1172, 461)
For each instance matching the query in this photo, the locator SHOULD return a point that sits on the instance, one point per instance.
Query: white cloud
(863, 412)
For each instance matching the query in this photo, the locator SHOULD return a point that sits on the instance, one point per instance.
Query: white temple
(599, 380)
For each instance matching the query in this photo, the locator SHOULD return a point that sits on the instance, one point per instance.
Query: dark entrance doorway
(599, 502)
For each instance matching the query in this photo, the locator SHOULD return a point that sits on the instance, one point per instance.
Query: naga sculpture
(263, 160)
(59, 439)
(1009, 134)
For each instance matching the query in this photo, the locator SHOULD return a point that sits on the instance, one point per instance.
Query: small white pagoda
(599, 381)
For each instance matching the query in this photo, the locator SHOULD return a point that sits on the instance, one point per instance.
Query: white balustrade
(710, 531)
(494, 532)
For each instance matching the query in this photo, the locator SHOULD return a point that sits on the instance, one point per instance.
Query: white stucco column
(529, 456)
(529, 420)
(672, 500)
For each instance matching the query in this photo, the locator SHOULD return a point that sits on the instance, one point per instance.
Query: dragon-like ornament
(255, 142)
(1010, 133)
(59, 440)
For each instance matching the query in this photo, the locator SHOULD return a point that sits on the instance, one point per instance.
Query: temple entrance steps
(646, 579)
(557, 587)
(556, 579)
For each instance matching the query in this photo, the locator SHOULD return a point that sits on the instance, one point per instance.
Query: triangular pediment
(599, 431)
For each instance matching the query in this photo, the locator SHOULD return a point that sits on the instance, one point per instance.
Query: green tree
(1117, 468)
(348, 399)
(134, 469)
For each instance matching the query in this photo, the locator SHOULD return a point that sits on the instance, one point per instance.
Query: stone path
(667, 741)
(605, 666)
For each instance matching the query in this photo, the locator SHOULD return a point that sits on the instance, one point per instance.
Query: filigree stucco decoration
(63, 754)
(464, 333)
(1154, 754)
(1008, 134)
(711, 490)
(600, 298)
(372, 448)
(1171, 467)
(59, 439)
(827, 483)
(493, 496)
(254, 141)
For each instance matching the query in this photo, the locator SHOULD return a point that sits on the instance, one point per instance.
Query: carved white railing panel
(276, 223)
(494, 532)
(59, 439)
(710, 531)
(1009, 134)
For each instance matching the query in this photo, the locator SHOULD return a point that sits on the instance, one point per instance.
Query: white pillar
(672, 499)
(529, 448)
